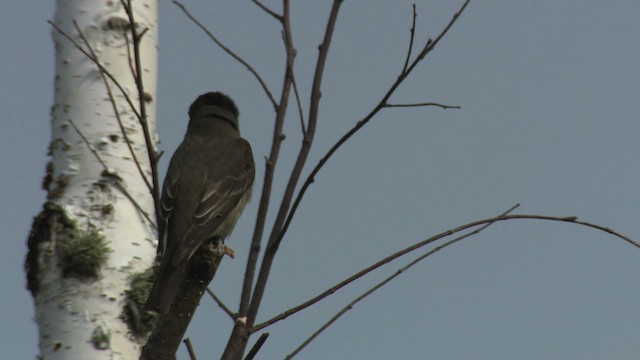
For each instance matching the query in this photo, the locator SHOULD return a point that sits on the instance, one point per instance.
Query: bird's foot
(229, 252)
(220, 249)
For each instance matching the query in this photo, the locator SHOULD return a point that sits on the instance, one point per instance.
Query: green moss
(140, 286)
(52, 218)
(140, 321)
(101, 338)
(83, 252)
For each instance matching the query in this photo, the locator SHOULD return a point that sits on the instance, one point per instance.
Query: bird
(206, 188)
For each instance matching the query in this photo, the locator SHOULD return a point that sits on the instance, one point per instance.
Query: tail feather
(165, 287)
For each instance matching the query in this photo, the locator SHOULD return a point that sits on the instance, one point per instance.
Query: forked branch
(398, 254)
(428, 47)
(387, 280)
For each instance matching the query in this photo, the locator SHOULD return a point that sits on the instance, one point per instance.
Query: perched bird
(207, 186)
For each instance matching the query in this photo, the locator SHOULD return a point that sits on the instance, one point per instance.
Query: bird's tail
(165, 287)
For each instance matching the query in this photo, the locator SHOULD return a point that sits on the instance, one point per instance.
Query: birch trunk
(91, 237)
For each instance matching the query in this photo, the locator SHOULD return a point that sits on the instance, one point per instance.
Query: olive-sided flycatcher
(205, 190)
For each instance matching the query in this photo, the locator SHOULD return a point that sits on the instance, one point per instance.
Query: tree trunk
(97, 229)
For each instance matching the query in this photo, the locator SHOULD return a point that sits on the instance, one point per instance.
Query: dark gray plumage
(207, 186)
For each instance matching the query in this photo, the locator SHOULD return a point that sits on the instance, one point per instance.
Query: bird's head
(215, 104)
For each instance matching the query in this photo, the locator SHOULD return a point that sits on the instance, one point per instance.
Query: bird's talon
(229, 252)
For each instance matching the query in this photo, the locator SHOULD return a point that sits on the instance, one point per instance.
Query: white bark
(72, 313)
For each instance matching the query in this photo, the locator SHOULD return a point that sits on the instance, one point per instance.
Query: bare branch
(151, 148)
(224, 307)
(275, 238)
(135, 203)
(115, 108)
(413, 33)
(228, 51)
(108, 172)
(102, 68)
(420, 244)
(268, 11)
(350, 306)
(300, 113)
(271, 163)
(105, 71)
(432, 43)
(239, 335)
(311, 177)
(445, 107)
(86, 141)
(190, 350)
(169, 328)
(132, 67)
(257, 346)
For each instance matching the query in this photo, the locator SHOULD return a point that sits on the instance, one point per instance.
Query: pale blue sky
(549, 93)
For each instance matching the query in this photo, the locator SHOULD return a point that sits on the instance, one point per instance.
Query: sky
(549, 120)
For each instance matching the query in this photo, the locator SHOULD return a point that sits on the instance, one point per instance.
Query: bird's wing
(217, 200)
(167, 203)
(220, 198)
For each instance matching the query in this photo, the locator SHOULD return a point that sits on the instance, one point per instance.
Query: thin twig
(190, 350)
(275, 238)
(350, 306)
(239, 336)
(270, 164)
(228, 51)
(352, 278)
(129, 57)
(403, 75)
(413, 33)
(257, 346)
(115, 109)
(300, 113)
(86, 141)
(114, 176)
(151, 148)
(445, 107)
(135, 203)
(106, 71)
(268, 11)
(127, 99)
(224, 307)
